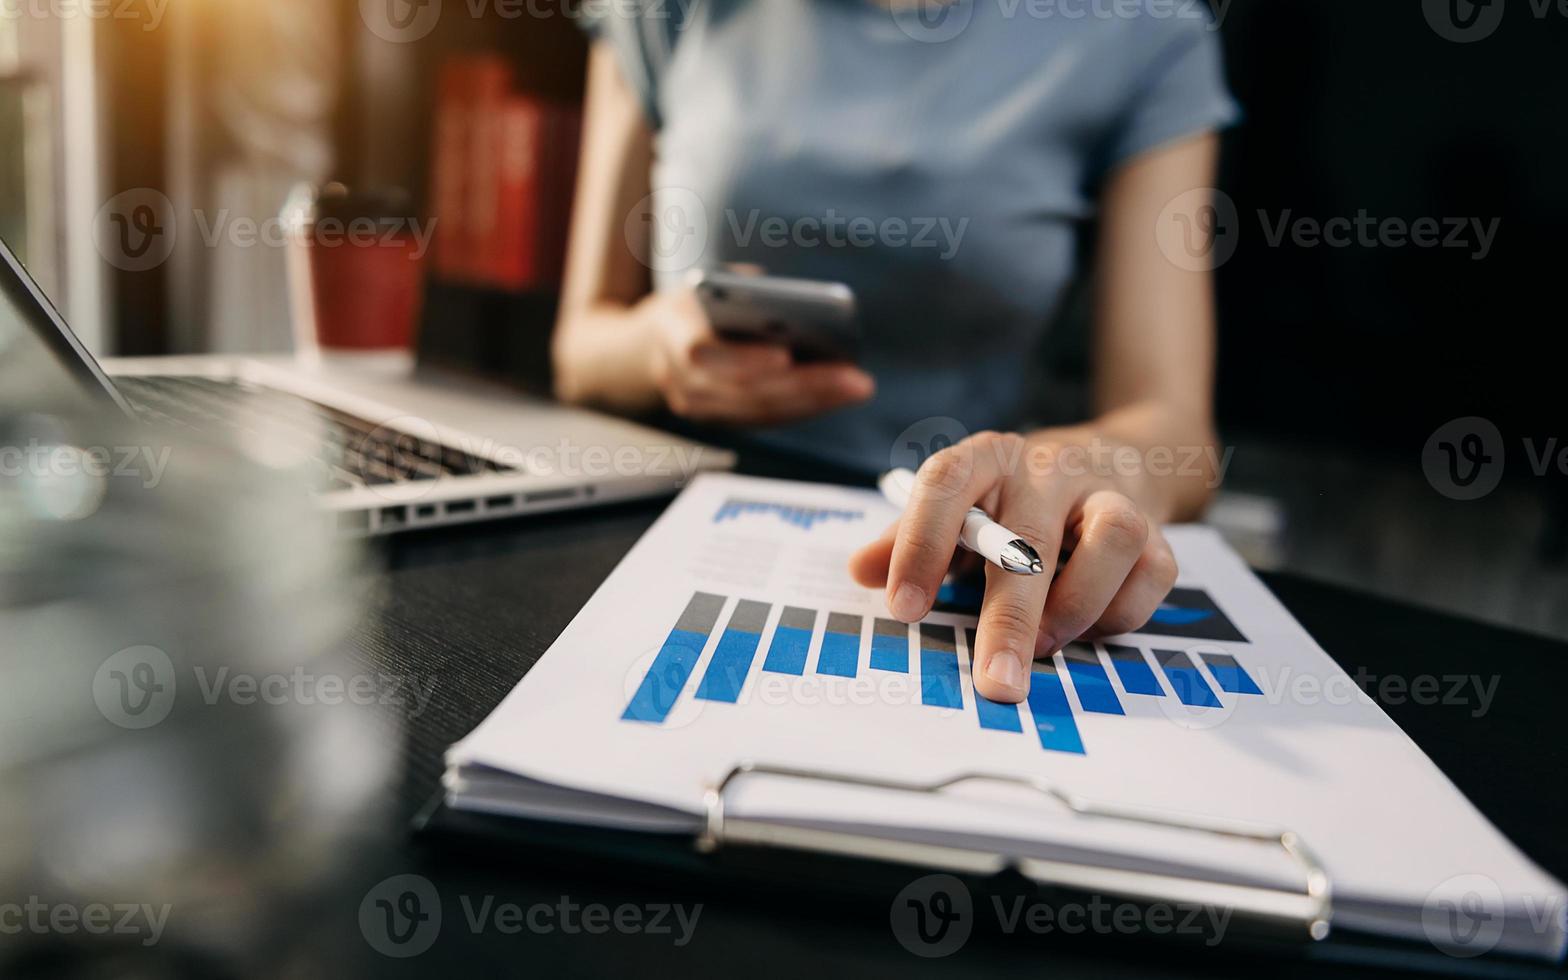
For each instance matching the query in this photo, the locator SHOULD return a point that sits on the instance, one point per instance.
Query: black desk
(471, 609)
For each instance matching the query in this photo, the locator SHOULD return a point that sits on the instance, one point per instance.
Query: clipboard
(1306, 914)
(742, 848)
(850, 869)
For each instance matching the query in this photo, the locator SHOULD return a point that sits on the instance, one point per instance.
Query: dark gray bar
(701, 613)
(749, 616)
(1081, 653)
(1046, 666)
(1178, 658)
(935, 636)
(890, 627)
(844, 623)
(794, 617)
(1222, 660)
(1119, 652)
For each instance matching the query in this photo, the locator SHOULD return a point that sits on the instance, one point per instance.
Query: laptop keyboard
(343, 450)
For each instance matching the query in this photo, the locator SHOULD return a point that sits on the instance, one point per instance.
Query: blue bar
(726, 673)
(890, 646)
(1186, 680)
(791, 641)
(1053, 719)
(994, 715)
(1230, 674)
(1090, 680)
(673, 664)
(1134, 671)
(671, 667)
(939, 684)
(787, 652)
(840, 653)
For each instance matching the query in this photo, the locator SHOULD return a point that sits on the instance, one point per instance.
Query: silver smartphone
(816, 320)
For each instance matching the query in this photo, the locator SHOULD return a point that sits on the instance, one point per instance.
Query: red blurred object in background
(356, 269)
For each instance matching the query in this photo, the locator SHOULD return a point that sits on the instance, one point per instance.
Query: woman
(999, 126)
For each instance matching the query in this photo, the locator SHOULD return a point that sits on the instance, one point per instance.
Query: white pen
(986, 538)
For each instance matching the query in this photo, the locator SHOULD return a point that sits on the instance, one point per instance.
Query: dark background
(1365, 106)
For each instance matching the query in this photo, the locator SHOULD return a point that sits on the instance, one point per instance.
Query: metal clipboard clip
(1310, 910)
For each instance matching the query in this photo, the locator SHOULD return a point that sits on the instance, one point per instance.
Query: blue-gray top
(938, 158)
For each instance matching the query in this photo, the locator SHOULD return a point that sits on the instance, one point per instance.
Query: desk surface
(469, 610)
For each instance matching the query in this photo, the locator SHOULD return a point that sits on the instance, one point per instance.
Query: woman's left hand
(1119, 568)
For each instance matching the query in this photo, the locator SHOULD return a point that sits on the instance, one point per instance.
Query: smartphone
(815, 320)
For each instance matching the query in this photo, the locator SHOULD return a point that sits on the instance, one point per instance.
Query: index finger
(946, 486)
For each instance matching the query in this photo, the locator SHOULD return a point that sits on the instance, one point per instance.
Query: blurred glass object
(186, 769)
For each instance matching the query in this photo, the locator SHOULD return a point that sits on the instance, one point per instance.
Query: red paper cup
(356, 269)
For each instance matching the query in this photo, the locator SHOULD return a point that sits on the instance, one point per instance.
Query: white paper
(1310, 752)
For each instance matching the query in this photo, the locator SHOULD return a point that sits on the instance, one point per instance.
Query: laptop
(387, 449)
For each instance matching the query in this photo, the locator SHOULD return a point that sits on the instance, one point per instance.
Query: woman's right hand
(706, 378)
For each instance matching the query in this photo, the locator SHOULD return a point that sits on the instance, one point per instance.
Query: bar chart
(1192, 614)
(794, 515)
(833, 644)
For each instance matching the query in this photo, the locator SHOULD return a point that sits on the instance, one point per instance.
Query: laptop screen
(42, 365)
